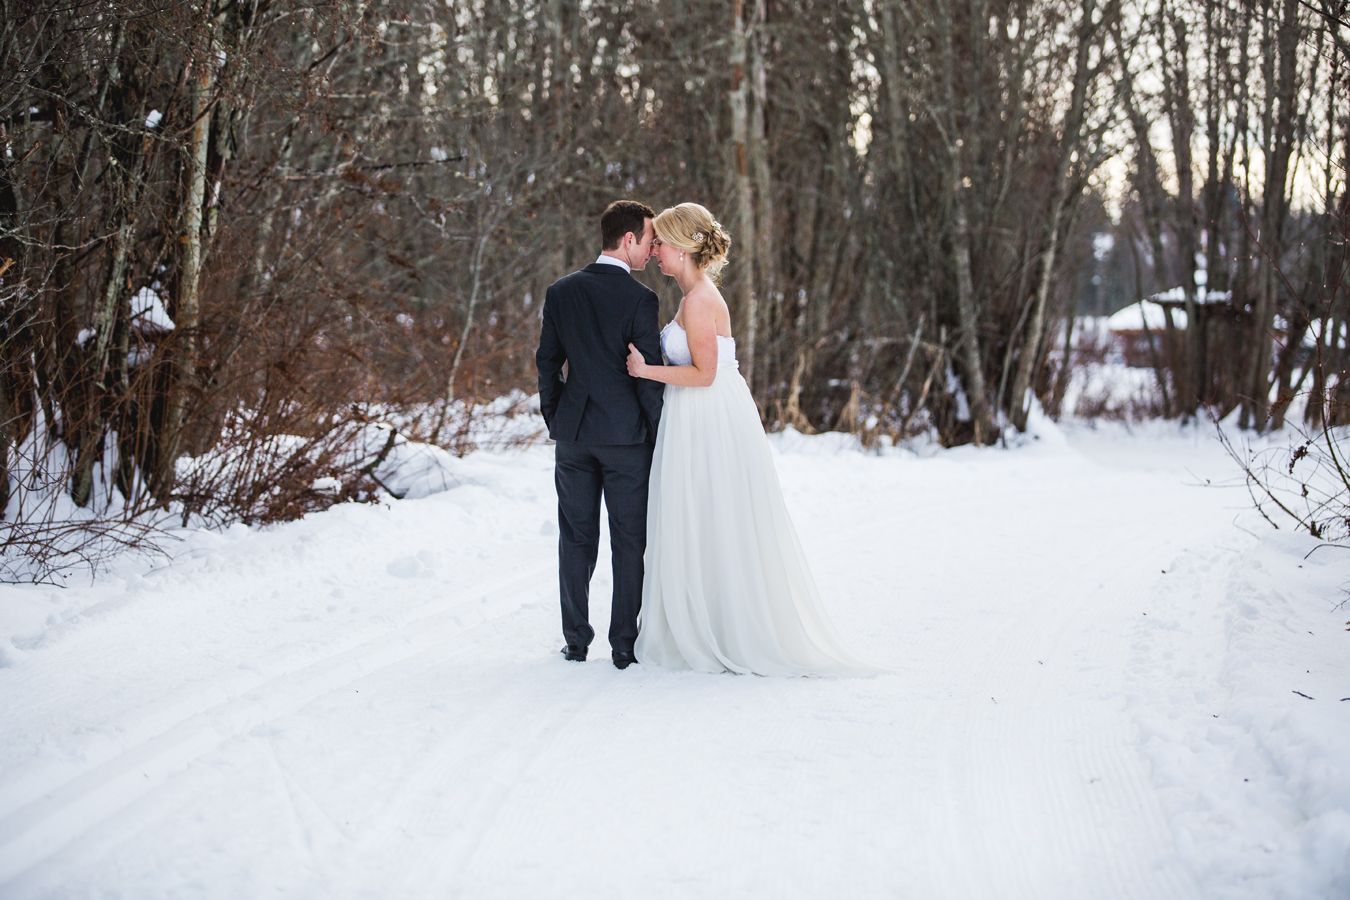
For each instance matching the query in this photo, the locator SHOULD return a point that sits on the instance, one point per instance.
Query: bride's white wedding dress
(727, 586)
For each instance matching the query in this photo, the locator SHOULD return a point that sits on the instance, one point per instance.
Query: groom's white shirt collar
(611, 261)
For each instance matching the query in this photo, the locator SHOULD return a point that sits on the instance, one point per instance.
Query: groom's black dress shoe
(574, 652)
(623, 659)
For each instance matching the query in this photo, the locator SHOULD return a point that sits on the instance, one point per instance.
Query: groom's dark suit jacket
(590, 317)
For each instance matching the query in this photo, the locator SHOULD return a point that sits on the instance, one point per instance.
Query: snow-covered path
(1094, 699)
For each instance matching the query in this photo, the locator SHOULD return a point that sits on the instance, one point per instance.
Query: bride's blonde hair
(691, 228)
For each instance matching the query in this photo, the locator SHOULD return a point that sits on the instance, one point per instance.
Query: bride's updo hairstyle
(691, 228)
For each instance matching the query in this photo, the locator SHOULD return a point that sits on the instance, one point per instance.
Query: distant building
(1138, 332)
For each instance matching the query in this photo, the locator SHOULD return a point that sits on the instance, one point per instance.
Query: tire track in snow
(1112, 794)
(32, 832)
(1050, 792)
(1060, 769)
(418, 832)
(441, 874)
(432, 820)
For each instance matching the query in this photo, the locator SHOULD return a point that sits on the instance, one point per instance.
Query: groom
(603, 422)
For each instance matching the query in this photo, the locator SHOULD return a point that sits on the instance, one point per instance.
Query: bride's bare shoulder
(704, 299)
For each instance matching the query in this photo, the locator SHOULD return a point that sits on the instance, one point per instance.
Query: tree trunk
(9, 325)
(124, 178)
(1279, 147)
(187, 311)
(1068, 148)
(971, 358)
(892, 39)
(1234, 383)
(1177, 94)
(1217, 178)
(759, 156)
(1061, 385)
(1146, 178)
(7, 421)
(739, 96)
(1335, 268)
(1154, 356)
(475, 286)
(105, 318)
(1001, 400)
(1297, 327)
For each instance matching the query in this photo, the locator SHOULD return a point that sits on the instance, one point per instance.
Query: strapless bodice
(675, 345)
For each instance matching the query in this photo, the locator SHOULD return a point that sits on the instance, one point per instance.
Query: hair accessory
(698, 238)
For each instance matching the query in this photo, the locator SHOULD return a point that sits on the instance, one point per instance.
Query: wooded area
(259, 225)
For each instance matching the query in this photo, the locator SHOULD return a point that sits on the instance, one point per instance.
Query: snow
(1133, 317)
(147, 311)
(1098, 656)
(1177, 295)
(412, 470)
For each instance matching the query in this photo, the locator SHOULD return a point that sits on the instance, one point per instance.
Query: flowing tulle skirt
(727, 586)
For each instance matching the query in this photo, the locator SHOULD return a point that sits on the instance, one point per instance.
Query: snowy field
(1113, 682)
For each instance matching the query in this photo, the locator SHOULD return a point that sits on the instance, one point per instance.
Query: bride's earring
(681, 254)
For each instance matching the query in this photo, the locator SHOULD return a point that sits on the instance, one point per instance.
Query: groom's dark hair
(621, 217)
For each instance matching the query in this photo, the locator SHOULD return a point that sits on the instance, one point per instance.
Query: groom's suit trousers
(582, 474)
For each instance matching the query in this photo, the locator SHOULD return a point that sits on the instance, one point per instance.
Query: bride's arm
(701, 327)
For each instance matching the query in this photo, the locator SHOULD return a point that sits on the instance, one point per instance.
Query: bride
(726, 586)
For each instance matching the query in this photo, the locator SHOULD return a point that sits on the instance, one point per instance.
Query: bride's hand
(636, 362)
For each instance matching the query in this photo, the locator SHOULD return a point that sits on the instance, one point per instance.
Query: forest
(240, 237)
